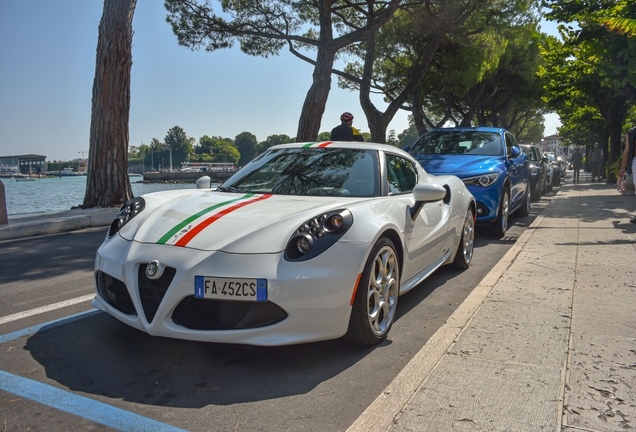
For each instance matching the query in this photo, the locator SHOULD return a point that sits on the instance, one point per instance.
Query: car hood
(459, 164)
(229, 222)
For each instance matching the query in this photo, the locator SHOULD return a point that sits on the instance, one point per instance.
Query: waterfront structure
(26, 164)
(208, 167)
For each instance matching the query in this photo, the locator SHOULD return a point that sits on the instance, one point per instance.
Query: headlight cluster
(482, 180)
(128, 211)
(317, 235)
(534, 170)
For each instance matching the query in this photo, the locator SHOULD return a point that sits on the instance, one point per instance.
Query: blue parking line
(80, 406)
(27, 331)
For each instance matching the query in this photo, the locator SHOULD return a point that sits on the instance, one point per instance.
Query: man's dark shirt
(344, 132)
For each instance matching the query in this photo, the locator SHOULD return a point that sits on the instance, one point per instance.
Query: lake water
(62, 193)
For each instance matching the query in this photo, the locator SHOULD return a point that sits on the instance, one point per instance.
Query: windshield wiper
(228, 189)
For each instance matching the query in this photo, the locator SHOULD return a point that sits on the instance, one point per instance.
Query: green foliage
(591, 75)
(272, 140)
(60, 165)
(178, 144)
(324, 136)
(246, 144)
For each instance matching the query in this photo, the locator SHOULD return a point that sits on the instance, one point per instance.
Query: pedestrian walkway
(546, 342)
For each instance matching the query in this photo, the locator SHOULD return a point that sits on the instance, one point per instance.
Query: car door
(517, 171)
(423, 237)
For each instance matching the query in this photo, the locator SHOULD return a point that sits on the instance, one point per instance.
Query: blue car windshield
(309, 172)
(476, 143)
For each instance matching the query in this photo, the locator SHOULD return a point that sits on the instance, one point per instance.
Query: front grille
(205, 314)
(115, 293)
(151, 291)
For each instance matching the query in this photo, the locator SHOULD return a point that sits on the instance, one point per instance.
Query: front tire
(377, 295)
(499, 228)
(466, 247)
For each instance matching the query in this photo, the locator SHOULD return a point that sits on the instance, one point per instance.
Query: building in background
(24, 164)
(552, 143)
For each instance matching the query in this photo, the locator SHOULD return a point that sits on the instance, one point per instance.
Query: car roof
(356, 145)
(465, 129)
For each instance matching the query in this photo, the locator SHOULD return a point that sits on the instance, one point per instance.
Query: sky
(47, 52)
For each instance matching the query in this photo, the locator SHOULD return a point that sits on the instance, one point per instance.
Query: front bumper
(311, 298)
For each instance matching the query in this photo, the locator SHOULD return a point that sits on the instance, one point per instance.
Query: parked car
(308, 242)
(559, 169)
(490, 163)
(549, 176)
(538, 170)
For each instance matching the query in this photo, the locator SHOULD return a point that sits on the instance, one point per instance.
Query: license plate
(237, 289)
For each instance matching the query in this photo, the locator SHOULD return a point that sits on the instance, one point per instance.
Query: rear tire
(377, 295)
(466, 247)
(524, 210)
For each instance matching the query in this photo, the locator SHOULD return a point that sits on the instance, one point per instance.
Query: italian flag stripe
(180, 226)
(207, 222)
(320, 144)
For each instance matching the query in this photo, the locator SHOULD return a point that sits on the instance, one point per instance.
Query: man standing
(595, 159)
(346, 132)
(577, 163)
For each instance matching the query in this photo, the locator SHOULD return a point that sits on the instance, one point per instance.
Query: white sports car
(308, 242)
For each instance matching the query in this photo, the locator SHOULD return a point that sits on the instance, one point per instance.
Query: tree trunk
(316, 99)
(379, 121)
(615, 125)
(108, 183)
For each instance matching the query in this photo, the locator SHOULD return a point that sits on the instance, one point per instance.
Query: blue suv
(490, 163)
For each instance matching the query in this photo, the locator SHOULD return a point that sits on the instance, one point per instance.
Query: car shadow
(101, 356)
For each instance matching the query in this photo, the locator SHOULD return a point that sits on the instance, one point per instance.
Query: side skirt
(411, 283)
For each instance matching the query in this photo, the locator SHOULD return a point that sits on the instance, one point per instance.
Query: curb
(380, 414)
(53, 224)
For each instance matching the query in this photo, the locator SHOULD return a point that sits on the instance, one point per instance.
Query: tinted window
(530, 152)
(456, 142)
(311, 171)
(401, 174)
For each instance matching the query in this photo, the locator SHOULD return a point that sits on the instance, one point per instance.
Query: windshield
(459, 142)
(309, 172)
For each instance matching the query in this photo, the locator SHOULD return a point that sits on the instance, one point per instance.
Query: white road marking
(44, 309)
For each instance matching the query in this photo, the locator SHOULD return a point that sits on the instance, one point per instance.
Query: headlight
(534, 170)
(482, 180)
(317, 235)
(128, 211)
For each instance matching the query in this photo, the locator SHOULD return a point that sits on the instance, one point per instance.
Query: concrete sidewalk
(546, 342)
(29, 225)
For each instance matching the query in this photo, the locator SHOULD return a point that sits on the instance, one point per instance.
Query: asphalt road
(190, 385)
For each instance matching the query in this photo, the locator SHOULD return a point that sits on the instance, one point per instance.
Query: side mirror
(514, 152)
(204, 182)
(406, 148)
(426, 193)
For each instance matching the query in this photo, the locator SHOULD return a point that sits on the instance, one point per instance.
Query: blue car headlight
(128, 211)
(317, 235)
(484, 180)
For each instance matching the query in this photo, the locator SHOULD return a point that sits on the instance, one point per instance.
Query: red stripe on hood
(207, 222)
